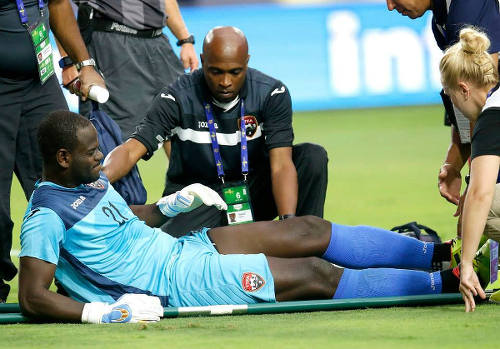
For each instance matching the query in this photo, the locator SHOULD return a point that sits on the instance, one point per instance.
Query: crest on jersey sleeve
(99, 184)
(252, 282)
(251, 125)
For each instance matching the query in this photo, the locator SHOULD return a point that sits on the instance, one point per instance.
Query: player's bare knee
(310, 228)
(324, 276)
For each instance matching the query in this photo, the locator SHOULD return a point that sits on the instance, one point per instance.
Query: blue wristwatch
(65, 62)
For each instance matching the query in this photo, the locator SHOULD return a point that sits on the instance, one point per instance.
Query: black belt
(107, 25)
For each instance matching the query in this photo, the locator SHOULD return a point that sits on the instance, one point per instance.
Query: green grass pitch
(382, 171)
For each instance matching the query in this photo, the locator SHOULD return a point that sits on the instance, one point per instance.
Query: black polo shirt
(178, 113)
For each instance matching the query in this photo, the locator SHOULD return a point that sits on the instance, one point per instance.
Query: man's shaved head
(227, 40)
(224, 60)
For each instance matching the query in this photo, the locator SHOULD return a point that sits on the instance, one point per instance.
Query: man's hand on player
(188, 199)
(449, 183)
(130, 308)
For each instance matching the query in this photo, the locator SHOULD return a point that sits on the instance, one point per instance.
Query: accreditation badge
(239, 208)
(39, 33)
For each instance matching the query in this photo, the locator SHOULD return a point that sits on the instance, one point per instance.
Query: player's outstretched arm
(150, 214)
(190, 198)
(185, 200)
(121, 159)
(37, 301)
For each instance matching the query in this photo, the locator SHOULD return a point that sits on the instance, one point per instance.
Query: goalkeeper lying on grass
(113, 267)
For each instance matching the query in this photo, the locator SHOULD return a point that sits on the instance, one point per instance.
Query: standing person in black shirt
(470, 77)
(259, 171)
(29, 90)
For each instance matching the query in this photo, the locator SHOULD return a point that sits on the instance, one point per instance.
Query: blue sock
(385, 282)
(361, 247)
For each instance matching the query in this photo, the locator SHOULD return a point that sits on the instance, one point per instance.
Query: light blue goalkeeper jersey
(101, 249)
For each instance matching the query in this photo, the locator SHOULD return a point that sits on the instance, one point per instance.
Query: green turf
(383, 171)
(433, 327)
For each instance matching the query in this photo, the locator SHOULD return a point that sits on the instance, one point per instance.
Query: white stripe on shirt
(203, 137)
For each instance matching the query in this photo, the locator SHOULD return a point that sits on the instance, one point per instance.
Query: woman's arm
(484, 172)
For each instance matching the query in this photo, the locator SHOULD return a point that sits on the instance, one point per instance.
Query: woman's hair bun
(473, 41)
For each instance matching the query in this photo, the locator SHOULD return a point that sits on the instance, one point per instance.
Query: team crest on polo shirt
(250, 125)
(252, 282)
(99, 184)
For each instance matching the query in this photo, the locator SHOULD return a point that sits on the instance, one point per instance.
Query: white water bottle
(98, 94)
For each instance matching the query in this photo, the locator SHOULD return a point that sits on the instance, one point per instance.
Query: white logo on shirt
(204, 124)
(278, 91)
(169, 96)
(78, 202)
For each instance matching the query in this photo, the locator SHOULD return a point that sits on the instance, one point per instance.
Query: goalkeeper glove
(189, 198)
(128, 308)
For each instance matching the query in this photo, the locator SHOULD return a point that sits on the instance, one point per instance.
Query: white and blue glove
(189, 198)
(130, 308)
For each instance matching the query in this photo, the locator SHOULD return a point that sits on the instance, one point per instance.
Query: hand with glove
(130, 308)
(189, 198)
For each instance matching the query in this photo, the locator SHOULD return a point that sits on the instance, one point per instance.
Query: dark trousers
(311, 162)
(23, 104)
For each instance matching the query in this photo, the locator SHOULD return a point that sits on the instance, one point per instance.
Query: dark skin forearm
(284, 180)
(150, 214)
(121, 159)
(63, 24)
(35, 299)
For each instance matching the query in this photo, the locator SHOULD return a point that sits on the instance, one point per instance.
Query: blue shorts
(202, 276)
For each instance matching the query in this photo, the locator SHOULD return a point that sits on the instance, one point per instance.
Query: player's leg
(314, 278)
(350, 246)
(295, 237)
(304, 278)
(311, 162)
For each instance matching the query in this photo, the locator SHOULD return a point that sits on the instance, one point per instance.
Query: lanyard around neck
(215, 143)
(22, 11)
(493, 90)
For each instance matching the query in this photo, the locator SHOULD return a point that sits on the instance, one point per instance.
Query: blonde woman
(470, 77)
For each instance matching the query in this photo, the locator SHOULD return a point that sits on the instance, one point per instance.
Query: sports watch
(188, 40)
(65, 62)
(85, 63)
